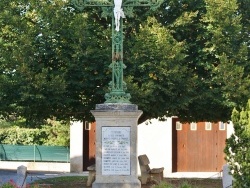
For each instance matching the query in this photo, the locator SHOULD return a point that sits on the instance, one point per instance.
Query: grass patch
(194, 183)
(183, 184)
(62, 182)
(80, 182)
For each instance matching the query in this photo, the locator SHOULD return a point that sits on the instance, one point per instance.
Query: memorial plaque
(115, 150)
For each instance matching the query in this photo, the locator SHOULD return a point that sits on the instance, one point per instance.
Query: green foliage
(188, 58)
(63, 182)
(228, 49)
(47, 73)
(56, 134)
(211, 30)
(238, 147)
(16, 135)
(155, 53)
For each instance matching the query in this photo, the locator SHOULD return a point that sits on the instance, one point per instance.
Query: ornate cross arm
(153, 4)
(80, 4)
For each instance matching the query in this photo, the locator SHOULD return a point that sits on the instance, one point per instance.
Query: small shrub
(56, 134)
(238, 148)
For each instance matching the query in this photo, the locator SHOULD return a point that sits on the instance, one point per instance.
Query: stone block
(21, 176)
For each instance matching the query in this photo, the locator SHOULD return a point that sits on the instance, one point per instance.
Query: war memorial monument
(116, 119)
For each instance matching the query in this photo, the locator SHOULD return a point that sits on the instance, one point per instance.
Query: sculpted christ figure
(118, 13)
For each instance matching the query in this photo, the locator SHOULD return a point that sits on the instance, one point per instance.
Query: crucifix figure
(118, 13)
(117, 86)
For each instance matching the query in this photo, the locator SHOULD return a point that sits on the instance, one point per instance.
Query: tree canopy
(189, 58)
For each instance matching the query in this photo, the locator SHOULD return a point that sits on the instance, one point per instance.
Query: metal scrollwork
(115, 8)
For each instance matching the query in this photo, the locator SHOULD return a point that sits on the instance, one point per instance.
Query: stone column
(21, 176)
(116, 146)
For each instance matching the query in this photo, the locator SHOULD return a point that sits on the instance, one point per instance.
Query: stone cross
(121, 9)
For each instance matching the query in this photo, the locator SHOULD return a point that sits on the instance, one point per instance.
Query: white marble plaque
(115, 150)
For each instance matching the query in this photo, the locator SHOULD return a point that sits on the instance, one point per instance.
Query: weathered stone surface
(21, 176)
(117, 117)
(227, 179)
(117, 185)
(116, 106)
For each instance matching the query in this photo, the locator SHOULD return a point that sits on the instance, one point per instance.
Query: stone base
(132, 184)
(123, 119)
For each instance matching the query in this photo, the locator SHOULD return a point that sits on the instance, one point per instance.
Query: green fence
(34, 153)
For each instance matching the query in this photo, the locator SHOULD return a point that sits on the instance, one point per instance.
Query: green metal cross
(121, 9)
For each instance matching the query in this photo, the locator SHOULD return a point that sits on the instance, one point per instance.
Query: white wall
(76, 146)
(155, 140)
(230, 129)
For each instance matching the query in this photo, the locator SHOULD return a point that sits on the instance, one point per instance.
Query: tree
(216, 53)
(159, 79)
(229, 51)
(50, 62)
(238, 147)
(54, 60)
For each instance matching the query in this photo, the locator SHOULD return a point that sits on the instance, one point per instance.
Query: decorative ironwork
(81, 4)
(117, 86)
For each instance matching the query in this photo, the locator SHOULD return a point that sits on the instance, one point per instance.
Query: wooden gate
(89, 144)
(198, 147)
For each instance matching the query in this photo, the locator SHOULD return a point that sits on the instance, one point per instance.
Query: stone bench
(147, 174)
(91, 177)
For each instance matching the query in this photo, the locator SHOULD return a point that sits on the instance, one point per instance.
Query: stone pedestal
(116, 146)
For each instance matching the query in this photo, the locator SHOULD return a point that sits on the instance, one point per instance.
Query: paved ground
(7, 175)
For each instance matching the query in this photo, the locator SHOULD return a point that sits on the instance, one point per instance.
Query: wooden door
(198, 148)
(89, 139)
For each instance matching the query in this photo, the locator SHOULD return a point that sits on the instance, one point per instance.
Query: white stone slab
(116, 151)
